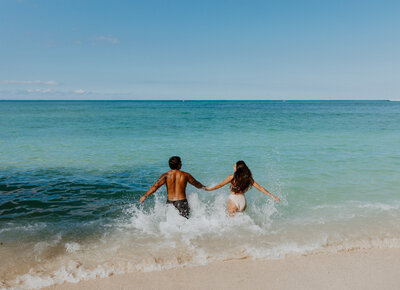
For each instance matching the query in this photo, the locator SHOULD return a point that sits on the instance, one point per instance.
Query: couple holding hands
(176, 180)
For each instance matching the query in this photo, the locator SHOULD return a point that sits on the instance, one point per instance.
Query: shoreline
(356, 269)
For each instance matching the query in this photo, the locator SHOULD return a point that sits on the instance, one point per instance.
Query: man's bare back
(176, 181)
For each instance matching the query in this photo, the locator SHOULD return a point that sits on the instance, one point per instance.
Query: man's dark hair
(174, 162)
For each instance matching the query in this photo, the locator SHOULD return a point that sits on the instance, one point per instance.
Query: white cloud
(47, 94)
(80, 91)
(37, 82)
(109, 39)
(40, 91)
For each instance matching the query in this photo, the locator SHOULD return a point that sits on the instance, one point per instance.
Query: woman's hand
(223, 183)
(143, 198)
(277, 199)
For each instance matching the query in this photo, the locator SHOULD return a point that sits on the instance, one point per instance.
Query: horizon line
(198, 100)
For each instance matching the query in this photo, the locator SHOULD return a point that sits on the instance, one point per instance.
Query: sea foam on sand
(360, 269)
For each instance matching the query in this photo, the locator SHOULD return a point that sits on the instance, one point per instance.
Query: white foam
(73, 273)
(159, 238)
(28, 228)
(40, 247)
(380, 206)
(206, 218)
(72, 247)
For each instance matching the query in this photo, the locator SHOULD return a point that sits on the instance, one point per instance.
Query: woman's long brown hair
(242, 178)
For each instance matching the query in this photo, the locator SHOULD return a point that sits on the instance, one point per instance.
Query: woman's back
(237, 190)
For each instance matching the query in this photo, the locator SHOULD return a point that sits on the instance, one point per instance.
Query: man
(176, 181)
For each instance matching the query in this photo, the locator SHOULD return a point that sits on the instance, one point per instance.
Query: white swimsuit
(239, 200)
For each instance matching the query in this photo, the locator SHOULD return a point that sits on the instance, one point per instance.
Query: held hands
(143, 198)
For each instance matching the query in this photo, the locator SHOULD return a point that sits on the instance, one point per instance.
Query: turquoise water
(71, 174)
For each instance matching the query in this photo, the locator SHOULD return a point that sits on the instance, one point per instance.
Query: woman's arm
(225, 182)
(263, 190)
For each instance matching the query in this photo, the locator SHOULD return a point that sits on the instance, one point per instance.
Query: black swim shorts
(182, 206)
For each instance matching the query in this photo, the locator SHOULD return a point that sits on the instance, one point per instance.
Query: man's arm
(194, 182)
(160, 182)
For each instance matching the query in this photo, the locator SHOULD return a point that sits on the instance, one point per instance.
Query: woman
(241, 181)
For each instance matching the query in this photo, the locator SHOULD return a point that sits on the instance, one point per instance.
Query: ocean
(72, 173)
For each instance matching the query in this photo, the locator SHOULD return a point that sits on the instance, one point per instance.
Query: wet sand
(358, 269)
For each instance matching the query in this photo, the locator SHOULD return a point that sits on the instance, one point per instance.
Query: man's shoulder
(165, 174)
(170, 172)
(184, 173)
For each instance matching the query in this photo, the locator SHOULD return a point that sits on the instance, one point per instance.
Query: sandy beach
(358, 269)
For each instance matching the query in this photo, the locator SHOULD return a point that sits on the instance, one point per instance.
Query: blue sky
(199, 49)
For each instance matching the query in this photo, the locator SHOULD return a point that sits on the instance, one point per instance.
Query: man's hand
(143, 198)
(277, 199)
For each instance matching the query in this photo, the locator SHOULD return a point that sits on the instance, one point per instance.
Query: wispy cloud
(45, 91)
(80, 91)
(37, 82)
(108, 39)
(46, 94)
